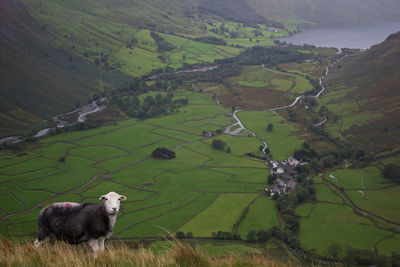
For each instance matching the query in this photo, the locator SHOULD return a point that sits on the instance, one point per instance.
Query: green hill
(364, 90)
(56, 54)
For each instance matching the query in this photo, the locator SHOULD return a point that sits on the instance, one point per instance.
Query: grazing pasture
(219, 216)
(382, 202)
(366, 178)
(282, 140)
(80, 166)
(262, 215)
(331, 223)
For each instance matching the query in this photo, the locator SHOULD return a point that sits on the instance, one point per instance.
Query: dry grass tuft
(118, 254)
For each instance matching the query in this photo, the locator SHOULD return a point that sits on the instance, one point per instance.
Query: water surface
(351, 36)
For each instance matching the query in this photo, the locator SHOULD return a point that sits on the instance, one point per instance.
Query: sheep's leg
(94, 244)
(101, 243)
(42, 237)
(40, 242)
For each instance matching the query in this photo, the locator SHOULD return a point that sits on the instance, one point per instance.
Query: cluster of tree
(329, 158)
(225, 235)
(362, 257)
(275, 232)
(235, 10)
(305, 191)
(163, 153)
(258, 33)
(271, 180)
(306, 153)
(162, 45)
(151, 106)
(126, 98)
(217, 75)
(210, 40)
(325, 134)
(255, 155)
(221, 30)
(218, 144)
(132, 43)
(258, 236)
(269, 56)
(182, 235)
(392, 171)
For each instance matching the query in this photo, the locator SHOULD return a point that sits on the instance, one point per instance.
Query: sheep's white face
(112, 202)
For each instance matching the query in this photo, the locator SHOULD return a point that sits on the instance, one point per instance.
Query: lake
(351, 36)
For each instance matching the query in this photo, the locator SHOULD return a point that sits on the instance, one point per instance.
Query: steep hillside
(364, 90)
(55, 54)
(38, 79)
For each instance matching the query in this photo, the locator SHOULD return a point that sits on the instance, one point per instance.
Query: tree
(180, 235)
(302, 194)
(163, 153)
(263, 235)
(392, 171)
(270, 127)
(228, 150)
(189, 235)
(218, 144)
(271, 179)
(334, 250)
(251, 236)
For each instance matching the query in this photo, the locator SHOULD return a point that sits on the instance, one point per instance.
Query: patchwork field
(367, 178)
(326, 221)
(175, 194)
(282, 140)
(258, 76)
(333, 219)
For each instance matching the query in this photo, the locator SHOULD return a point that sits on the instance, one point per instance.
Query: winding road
(265, 144)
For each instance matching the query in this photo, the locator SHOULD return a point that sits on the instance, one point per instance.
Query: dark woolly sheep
(75, 223)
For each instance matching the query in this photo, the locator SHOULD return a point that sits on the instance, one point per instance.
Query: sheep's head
(112, 202)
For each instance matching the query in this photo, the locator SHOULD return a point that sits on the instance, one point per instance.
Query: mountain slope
(365, 91)
(38, 80)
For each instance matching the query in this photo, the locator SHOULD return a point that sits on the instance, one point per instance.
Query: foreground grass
(119, 254)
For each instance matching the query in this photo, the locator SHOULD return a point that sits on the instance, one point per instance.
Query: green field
(331, 223)
(262, 215)
(282, 140)
(367, 178)
(162, 195)
(324, 193)
(383, 202)
(219, 216)
(258, 76)
(304, 210)
(390, 245)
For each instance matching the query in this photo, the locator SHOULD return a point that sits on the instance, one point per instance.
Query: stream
(82, 111)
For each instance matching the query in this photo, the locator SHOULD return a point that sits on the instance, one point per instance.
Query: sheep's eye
(106, 199)
(119, 199)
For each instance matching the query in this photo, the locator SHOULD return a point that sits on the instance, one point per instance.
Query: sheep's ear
(103, 197)
(122, 198)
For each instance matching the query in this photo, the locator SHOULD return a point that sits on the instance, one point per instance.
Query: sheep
(75, 223)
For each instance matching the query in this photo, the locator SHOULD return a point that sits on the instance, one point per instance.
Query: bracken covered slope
(364, 90)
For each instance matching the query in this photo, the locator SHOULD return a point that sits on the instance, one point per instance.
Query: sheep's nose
(115, 209)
